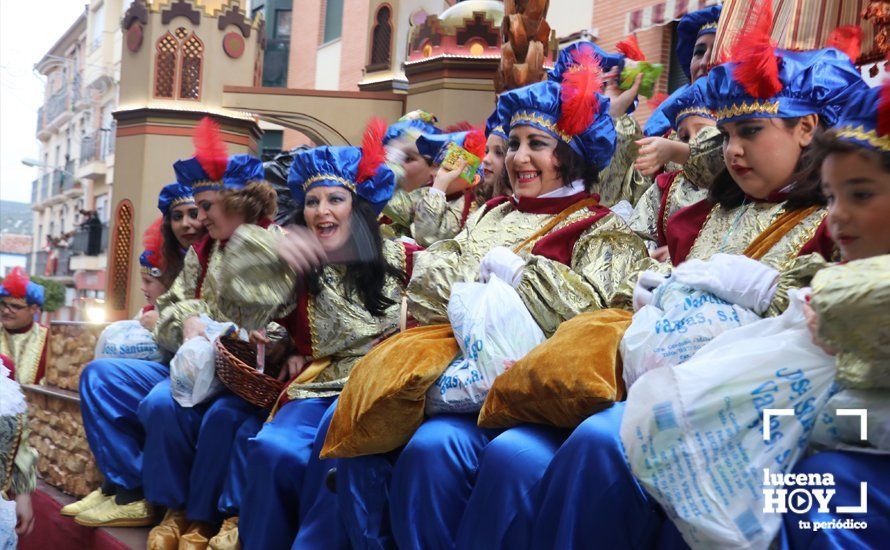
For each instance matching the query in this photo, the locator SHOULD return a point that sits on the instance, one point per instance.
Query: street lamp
(37, 164)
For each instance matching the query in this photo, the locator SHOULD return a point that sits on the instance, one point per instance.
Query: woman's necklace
(742, 209)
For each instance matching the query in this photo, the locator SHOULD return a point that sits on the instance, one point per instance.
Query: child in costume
(22, 338)
(561, 136)
(849, 318)
(494, 177)
(345, 300)
(18, 462)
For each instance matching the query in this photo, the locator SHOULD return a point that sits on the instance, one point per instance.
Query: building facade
(72, 195)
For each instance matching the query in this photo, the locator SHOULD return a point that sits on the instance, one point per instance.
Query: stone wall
(57, 433)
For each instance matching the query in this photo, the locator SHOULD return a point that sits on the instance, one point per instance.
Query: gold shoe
(92, 500)
(197, 537)
(227, 538)
(112, 514)
(165, 536)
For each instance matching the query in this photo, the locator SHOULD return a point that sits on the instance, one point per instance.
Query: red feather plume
(754, 52)
(884, 110)
(462, 126)
(210, 149)
(580, 102)
(373, 152)
(153, 241)
(16, 283)
(656, 100)
(847, 39)
(475, 142)
(630, 47)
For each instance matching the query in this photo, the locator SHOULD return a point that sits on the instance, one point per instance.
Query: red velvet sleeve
(821, 243)
(683, 228)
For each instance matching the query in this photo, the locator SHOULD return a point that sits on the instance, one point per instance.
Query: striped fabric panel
(662, 14)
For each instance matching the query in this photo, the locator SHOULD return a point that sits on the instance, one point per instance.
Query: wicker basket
(235, 366)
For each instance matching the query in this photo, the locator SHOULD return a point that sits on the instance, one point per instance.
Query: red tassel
(16, 283)
(656, 100)
(754, 52)
(373, 152)
(475, 142)
(210, 149)
(847, 39)
(153, 242)
(630, 47)
(462, 126)
(579, 98)
(884, 109)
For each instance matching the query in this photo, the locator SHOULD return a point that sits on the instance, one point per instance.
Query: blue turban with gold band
(812, 82)
(541, 106)
(862, 121)
(432, 146)
(17, 284)
(149, 263)
(690, 28)
(240, 170)
(494, 126)
(338, 167)
(687, 101)
(173, 195)
(567, 58)
(413, 124)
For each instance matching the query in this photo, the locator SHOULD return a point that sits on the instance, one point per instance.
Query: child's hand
(24, 514)
(655, 152)
(813, 324)
(446, 178)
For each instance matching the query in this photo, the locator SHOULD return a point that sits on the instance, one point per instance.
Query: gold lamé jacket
(331, 325)
(27, 351)
(679, 190)
(597, 252)
(18, 462)
(853, 301)
(620, 180)
(732, 230)
(197, 290)
(426, 216)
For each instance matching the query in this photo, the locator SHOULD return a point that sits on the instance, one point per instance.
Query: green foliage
(53, 294)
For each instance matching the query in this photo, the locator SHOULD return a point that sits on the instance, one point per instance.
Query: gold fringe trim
(328, 177)
(859, 133)
(756, 107)
(206, 185)
(182, 200)
(695, 111)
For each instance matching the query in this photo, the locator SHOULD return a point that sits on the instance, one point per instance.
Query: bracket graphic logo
(798, 493)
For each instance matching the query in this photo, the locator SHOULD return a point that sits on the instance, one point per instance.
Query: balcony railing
(109, 138)
(91, 238)
(34, 188)
(40, 121)
(45, 186)
(94, 147)
(57, 105)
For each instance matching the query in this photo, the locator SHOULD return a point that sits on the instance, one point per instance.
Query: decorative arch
(381, 38)
(191, 65)
(121, 251)
(166, 49)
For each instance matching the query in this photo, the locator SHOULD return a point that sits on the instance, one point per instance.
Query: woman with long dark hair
(345, 283)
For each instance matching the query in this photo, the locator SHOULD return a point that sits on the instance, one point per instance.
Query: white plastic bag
(843, 431)
(679, 322)
(693, 434)
(128, 340)
(494, 330)
(193, 368)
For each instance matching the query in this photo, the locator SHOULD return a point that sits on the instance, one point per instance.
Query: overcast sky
(28, 29)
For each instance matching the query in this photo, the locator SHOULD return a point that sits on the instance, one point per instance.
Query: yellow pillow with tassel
(383, 401)
(574, 374)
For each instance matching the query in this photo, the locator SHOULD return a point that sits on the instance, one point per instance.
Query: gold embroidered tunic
(340, 329)
(436, 218)
(26, 349)
(18, 461)
(620, 180)
(853, 301)
(601, 258)
(400, 210)
(183, 299)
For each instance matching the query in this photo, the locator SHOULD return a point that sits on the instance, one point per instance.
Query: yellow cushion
(382, 403)
(574, 374)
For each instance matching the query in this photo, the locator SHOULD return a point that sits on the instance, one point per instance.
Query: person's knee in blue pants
(432, 480)
(216, 437)
(501, 508)
(171, 438)
(362, 484)
(229, 504)
(110, 393)
(276, 464)
(589, 493)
